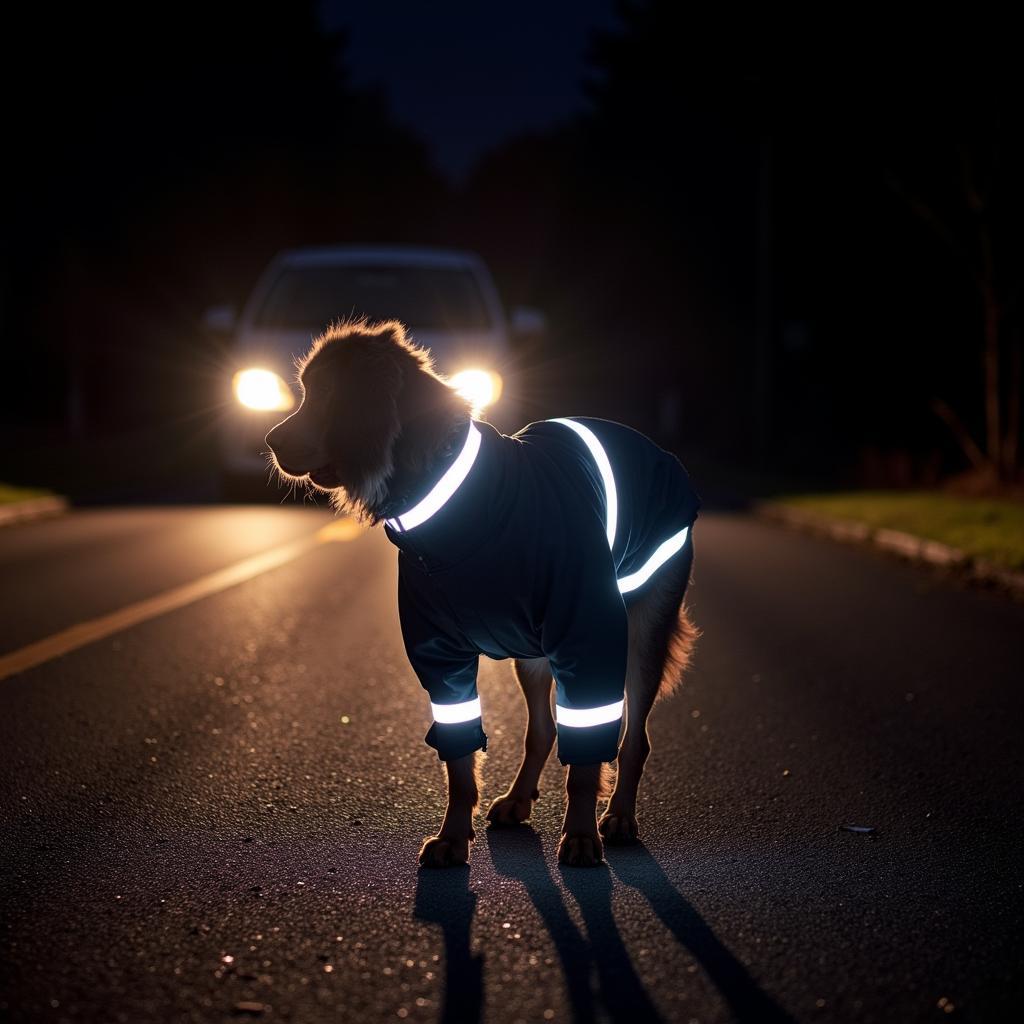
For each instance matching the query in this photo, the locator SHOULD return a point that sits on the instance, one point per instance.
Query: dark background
(772, 249)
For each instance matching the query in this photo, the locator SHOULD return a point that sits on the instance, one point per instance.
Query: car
(446, 299)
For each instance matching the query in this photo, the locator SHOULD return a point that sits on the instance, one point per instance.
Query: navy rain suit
(531, 545)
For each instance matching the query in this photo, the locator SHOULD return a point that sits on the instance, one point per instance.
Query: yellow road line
(88, 632)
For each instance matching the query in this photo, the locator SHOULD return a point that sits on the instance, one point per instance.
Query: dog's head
(372, 406)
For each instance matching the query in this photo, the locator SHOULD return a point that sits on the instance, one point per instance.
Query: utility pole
(764, 333)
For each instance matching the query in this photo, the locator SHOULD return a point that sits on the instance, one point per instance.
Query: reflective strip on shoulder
(661, 555)
(605, 469)
(450, 714)
(444, 488)
(580, 718)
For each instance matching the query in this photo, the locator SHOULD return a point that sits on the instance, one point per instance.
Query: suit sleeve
(585, 639)
(444, 663)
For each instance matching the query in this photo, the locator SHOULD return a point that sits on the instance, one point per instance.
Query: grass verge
(9, 493)
(990, 529)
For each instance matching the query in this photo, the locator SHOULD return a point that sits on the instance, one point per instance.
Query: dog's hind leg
(514, 806)
(661, 638)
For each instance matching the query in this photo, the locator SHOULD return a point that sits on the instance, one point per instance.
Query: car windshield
(426, 298)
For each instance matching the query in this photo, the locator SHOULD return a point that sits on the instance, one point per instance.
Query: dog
(566, 547)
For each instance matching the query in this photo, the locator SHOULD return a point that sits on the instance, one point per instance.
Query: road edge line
(83, 633)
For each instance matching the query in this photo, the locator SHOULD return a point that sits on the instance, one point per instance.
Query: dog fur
(374, 418)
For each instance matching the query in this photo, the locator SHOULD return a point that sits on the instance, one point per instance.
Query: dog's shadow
(517, 853)
(445, 899)
(634, 866)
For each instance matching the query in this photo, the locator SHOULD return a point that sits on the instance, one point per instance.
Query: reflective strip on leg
(450, 714)
(581, 718)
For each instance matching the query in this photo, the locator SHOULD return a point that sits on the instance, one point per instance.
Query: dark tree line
(784, 255)
(160, 159)
(807, 250)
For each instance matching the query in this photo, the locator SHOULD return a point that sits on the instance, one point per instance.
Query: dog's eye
(317, 388)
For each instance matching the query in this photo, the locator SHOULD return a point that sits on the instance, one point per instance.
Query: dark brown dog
(373, 419)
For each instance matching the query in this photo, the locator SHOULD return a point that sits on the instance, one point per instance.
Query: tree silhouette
(161, 163)
(974, 220)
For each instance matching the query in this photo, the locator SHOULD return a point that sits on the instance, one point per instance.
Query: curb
(905, 545)
(33, 508)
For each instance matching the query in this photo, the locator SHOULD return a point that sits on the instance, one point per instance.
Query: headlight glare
(480, 387)
(263, 390)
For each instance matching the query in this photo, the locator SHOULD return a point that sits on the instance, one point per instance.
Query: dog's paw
(619, 829)
(510, 810)
(580, 851)
(444, 852)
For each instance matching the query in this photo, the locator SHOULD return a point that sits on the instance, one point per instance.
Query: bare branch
(934, 223)
(1011, 300)
(922, 210)
(963, 437)
(975, 200)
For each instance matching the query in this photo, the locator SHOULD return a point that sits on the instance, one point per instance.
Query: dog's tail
(681, 642)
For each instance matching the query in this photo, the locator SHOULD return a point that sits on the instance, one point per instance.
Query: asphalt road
(215, 814)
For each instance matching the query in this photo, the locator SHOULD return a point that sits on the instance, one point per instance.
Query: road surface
(211, 807)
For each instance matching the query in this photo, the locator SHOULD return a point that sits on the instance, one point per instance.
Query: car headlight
(480, 387)
(263, 390)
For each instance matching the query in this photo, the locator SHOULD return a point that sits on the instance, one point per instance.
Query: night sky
(468, 76)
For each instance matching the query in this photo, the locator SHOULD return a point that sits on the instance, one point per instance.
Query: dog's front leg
(451, 845)
(580, 844)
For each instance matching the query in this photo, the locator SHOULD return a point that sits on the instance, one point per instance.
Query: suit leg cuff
(588, 744)
(455, 740)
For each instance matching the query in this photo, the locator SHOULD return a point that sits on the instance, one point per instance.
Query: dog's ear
(366, 375)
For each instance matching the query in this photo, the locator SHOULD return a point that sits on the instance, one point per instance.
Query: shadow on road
(517, 853)
(623, 993)
(634, 866)
(444, 898)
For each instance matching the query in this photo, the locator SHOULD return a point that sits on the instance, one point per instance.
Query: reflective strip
(661, 555)
(444, 488)
(450, 714)
(605, 469)
(582, 717)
